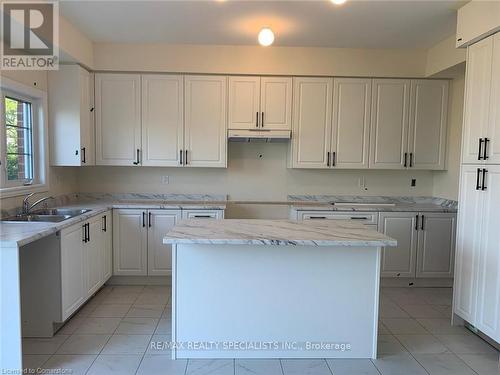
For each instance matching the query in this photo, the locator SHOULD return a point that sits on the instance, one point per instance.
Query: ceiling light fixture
(266, 37)
(338, 2)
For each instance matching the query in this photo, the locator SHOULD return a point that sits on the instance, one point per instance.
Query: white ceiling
(315, 23)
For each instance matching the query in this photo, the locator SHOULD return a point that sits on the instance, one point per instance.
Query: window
(19, 140)
(23, 166)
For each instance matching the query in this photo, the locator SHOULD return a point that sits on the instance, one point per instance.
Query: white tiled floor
(111, 334)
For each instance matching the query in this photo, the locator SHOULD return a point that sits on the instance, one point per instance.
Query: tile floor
(111, 334)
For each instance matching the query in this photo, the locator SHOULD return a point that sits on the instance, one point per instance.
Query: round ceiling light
(266, 37)
(338, 2)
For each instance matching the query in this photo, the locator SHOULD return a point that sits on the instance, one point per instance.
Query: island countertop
(276, 232)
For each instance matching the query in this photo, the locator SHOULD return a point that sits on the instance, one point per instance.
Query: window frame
(38, 100)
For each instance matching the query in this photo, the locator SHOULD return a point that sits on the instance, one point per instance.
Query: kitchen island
(275, 289)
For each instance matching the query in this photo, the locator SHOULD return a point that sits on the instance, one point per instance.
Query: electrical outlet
(164, 180)
(413, 182)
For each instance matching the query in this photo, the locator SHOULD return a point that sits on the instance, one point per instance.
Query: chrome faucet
(27, 207)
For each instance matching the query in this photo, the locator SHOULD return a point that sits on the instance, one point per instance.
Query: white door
(130, 242)
(470, 214)
(389, 123)
(93, 250)
(276, 103)
(160, 255)
(399, 261)
(244, 102)
(436, 244)
(205, 121)
(162, 119)
(428, 123)
(351, 122)
(118, 119)
(87, 133)
(488, 309)
(72, 270)
(493, 131)
(203, 214)
(107, 243)
(312, 113)
(477, 100)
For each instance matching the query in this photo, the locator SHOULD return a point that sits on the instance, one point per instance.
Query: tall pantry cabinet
(477, 281)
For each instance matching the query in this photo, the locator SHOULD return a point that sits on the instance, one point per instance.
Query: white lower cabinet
(426, 240)
(160, 255)
(138, 248)
(426, 244)
(85, 261)
(477, 284)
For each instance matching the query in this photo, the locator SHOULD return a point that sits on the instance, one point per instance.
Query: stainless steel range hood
(258, 135)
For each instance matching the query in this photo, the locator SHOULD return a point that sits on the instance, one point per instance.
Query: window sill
(22, 190)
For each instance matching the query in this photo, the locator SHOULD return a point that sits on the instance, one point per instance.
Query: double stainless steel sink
(50, 215)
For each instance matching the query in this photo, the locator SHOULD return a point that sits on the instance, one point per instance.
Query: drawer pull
(203, 216)
(359, 218)
(317, 217)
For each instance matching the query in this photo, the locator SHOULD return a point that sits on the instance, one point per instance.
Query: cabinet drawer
(362, 217)
(202, 214)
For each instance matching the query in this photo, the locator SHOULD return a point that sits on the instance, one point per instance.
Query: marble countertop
(18, 233)
(276, 232)
(352, 203)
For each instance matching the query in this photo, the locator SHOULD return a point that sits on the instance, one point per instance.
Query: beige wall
(445, 183)
(259, 60)
(61, 180)
(444, 55)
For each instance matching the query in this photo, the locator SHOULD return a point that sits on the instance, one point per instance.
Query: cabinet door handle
(84, 233)
(186, 157)
(406, 160)
(317, 217)
(359, 218)
(328, 159)
(334, 158)
(83, 155)
(88, 232)
(150, 219)
(479, 156)
(483, 185)
(262, 120)
(256, 119)
(416, 222)
(143, 219)
(137, 161)
(203, 217)
(104, 223)
(422, 225)
(485, 154)
(180, 157)
(478, 187)
(411, 159)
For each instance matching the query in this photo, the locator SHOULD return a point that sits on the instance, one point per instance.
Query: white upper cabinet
(244, 102)
(476, 20)
(389, 123)
(477, 101)
(276, 103)
(118, 119)
(71, 116)
(205, 121)
(493, 133)
(312, 113)
(351, 122)
(162, 119)
(260, 103)
(428, 123)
